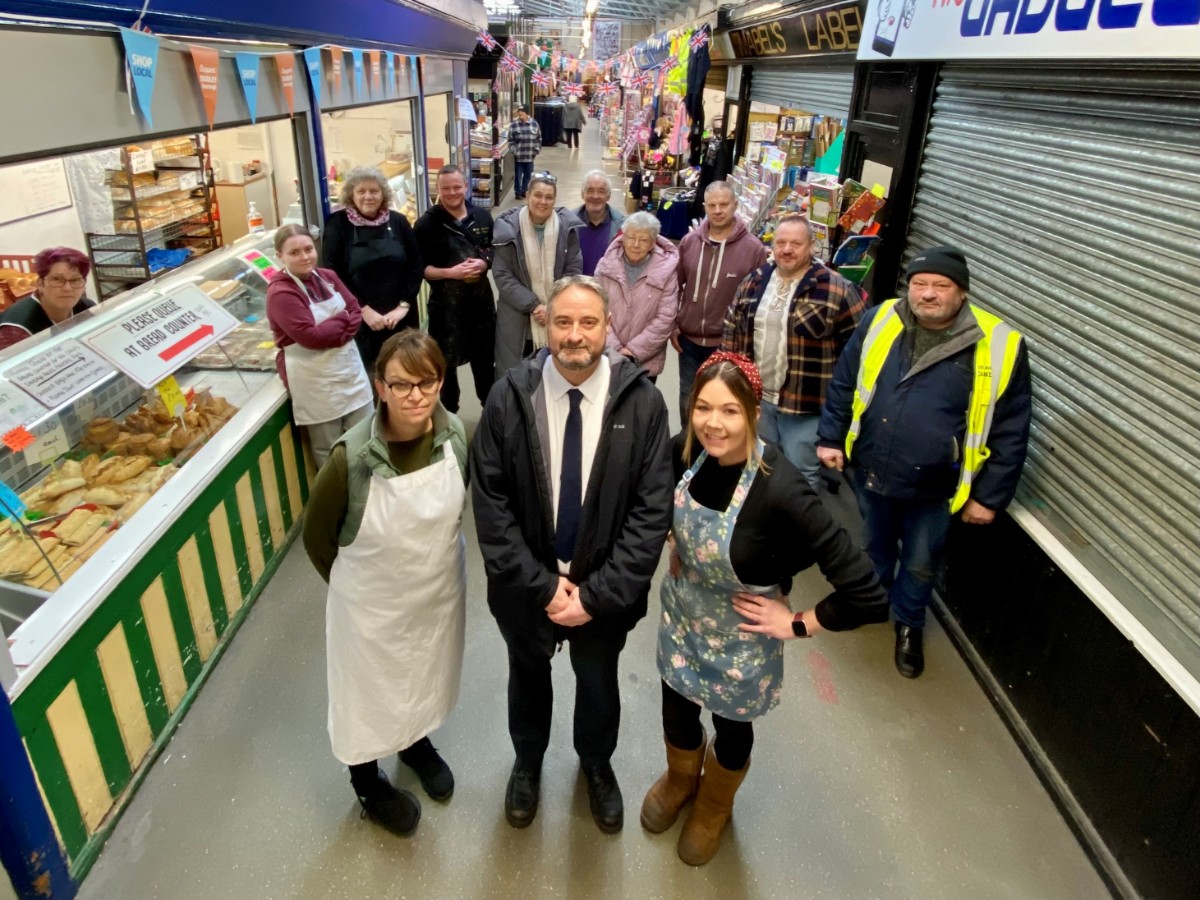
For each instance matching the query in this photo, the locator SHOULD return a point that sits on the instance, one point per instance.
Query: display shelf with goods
(153, 517)
(380, 135)
(162, 214)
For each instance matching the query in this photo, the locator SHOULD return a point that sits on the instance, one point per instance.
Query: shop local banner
(1031, 29)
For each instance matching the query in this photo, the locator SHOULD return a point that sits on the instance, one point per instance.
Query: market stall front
(150, 463)
(1068, 170)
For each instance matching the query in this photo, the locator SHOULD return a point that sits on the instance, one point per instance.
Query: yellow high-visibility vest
(995, 352)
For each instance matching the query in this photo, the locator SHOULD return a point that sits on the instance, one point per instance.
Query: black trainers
(910, 654)
(436, 777)
(391, 807)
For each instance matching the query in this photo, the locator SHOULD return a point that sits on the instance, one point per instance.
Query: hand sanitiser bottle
(254, 220)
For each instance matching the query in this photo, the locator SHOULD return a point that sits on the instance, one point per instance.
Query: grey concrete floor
(862, 784)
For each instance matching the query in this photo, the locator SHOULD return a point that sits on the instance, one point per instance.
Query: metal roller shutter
(824, 90)
(1075, 192)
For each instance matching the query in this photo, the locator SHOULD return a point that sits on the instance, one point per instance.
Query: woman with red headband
(745, 523)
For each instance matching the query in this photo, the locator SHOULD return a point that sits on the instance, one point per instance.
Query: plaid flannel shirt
(526, 140)
(824, 312)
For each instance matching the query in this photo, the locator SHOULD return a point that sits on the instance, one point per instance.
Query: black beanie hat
(947, 260)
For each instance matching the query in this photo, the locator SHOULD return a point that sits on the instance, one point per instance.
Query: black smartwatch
(799, 629)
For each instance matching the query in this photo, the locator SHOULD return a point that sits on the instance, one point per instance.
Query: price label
(172, 396)
(59, 373)
(260, 264)
(17, 439)
(141, 161)
(49, 443)
(189, 181)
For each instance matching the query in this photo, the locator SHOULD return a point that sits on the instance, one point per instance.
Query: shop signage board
(1031, 29)
(152, 339)
(835, 28)
(59, 373)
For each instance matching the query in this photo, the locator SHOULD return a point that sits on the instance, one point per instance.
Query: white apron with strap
(325, 384)
(396, 615)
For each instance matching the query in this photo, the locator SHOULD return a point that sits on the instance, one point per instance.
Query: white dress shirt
(558, 407)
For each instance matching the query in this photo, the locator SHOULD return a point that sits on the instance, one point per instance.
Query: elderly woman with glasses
(62, 278)
(374, 251)
(535, 245)
(639, 272)
(384, 528)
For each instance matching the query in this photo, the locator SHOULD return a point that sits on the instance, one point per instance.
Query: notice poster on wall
(606, 40)
(30, 189)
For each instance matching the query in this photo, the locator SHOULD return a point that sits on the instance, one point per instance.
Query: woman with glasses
(639, 272)
(314, 318)
(384, 528)
(62, 278)
(535, 245)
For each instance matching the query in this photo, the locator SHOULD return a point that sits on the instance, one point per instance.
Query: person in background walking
(314, 319)
(638, 272)
(745, 522)
(572, 487)
(456, 245)
(525, 136)
(601, 220)
(574, 120)
(713, 260)
(372, 249)
(384, 528)
(535, 246)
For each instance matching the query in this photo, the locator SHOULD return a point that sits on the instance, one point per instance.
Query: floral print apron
(701, 654)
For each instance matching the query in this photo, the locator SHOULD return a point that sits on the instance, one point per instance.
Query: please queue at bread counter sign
(152, 339)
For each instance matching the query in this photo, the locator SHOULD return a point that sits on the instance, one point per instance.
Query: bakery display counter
(155, 486)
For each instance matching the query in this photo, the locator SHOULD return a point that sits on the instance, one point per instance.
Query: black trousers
(572, 136)
(681, 724)
(482, 373)
(594, 651)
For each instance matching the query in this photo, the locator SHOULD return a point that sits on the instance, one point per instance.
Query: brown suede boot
(675, 787)
(701, 835)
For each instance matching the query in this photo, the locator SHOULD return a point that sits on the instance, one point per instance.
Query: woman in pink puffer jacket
(638, 272)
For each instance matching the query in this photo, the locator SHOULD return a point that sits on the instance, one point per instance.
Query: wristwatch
(799, 629)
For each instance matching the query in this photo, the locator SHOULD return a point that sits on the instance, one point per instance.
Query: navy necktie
(570, 482)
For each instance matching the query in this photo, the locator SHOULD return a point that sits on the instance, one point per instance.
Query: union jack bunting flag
(496, 151)
(670, 62)
(639, 80)
(573, 90)
(510, 63)
(699, 39)
(486, 39)
(541, 78)
(607, 89)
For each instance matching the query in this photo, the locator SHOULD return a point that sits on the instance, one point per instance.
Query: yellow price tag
(878, 189)
(172, 397)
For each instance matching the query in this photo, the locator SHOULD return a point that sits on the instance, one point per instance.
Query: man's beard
(576, 364)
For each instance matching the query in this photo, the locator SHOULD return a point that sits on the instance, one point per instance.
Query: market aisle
(863, 784)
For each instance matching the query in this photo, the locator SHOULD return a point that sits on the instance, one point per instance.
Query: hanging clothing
(396, 613)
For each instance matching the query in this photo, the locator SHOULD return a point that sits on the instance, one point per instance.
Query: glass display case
(91, 460)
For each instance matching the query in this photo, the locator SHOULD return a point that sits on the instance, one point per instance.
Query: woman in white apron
(384, 527)
(745, 522)
(314, 318)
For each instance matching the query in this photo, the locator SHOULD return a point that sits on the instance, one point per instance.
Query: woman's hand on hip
(764, 615)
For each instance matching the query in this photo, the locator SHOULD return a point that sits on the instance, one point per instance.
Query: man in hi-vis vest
(930, 407)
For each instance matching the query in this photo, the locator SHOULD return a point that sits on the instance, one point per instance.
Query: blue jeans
(524, 171)
(913, 534)
(796, 435)
(691, 356)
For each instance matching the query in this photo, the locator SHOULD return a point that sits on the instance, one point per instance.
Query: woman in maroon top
(314, 318)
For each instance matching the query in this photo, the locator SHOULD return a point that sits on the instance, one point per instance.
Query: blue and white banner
(1031, 29)
(312, 61)
(358, 73)
(247, 66)
(141, 58)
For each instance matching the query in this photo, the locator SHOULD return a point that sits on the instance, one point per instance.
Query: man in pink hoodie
(713, 260)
